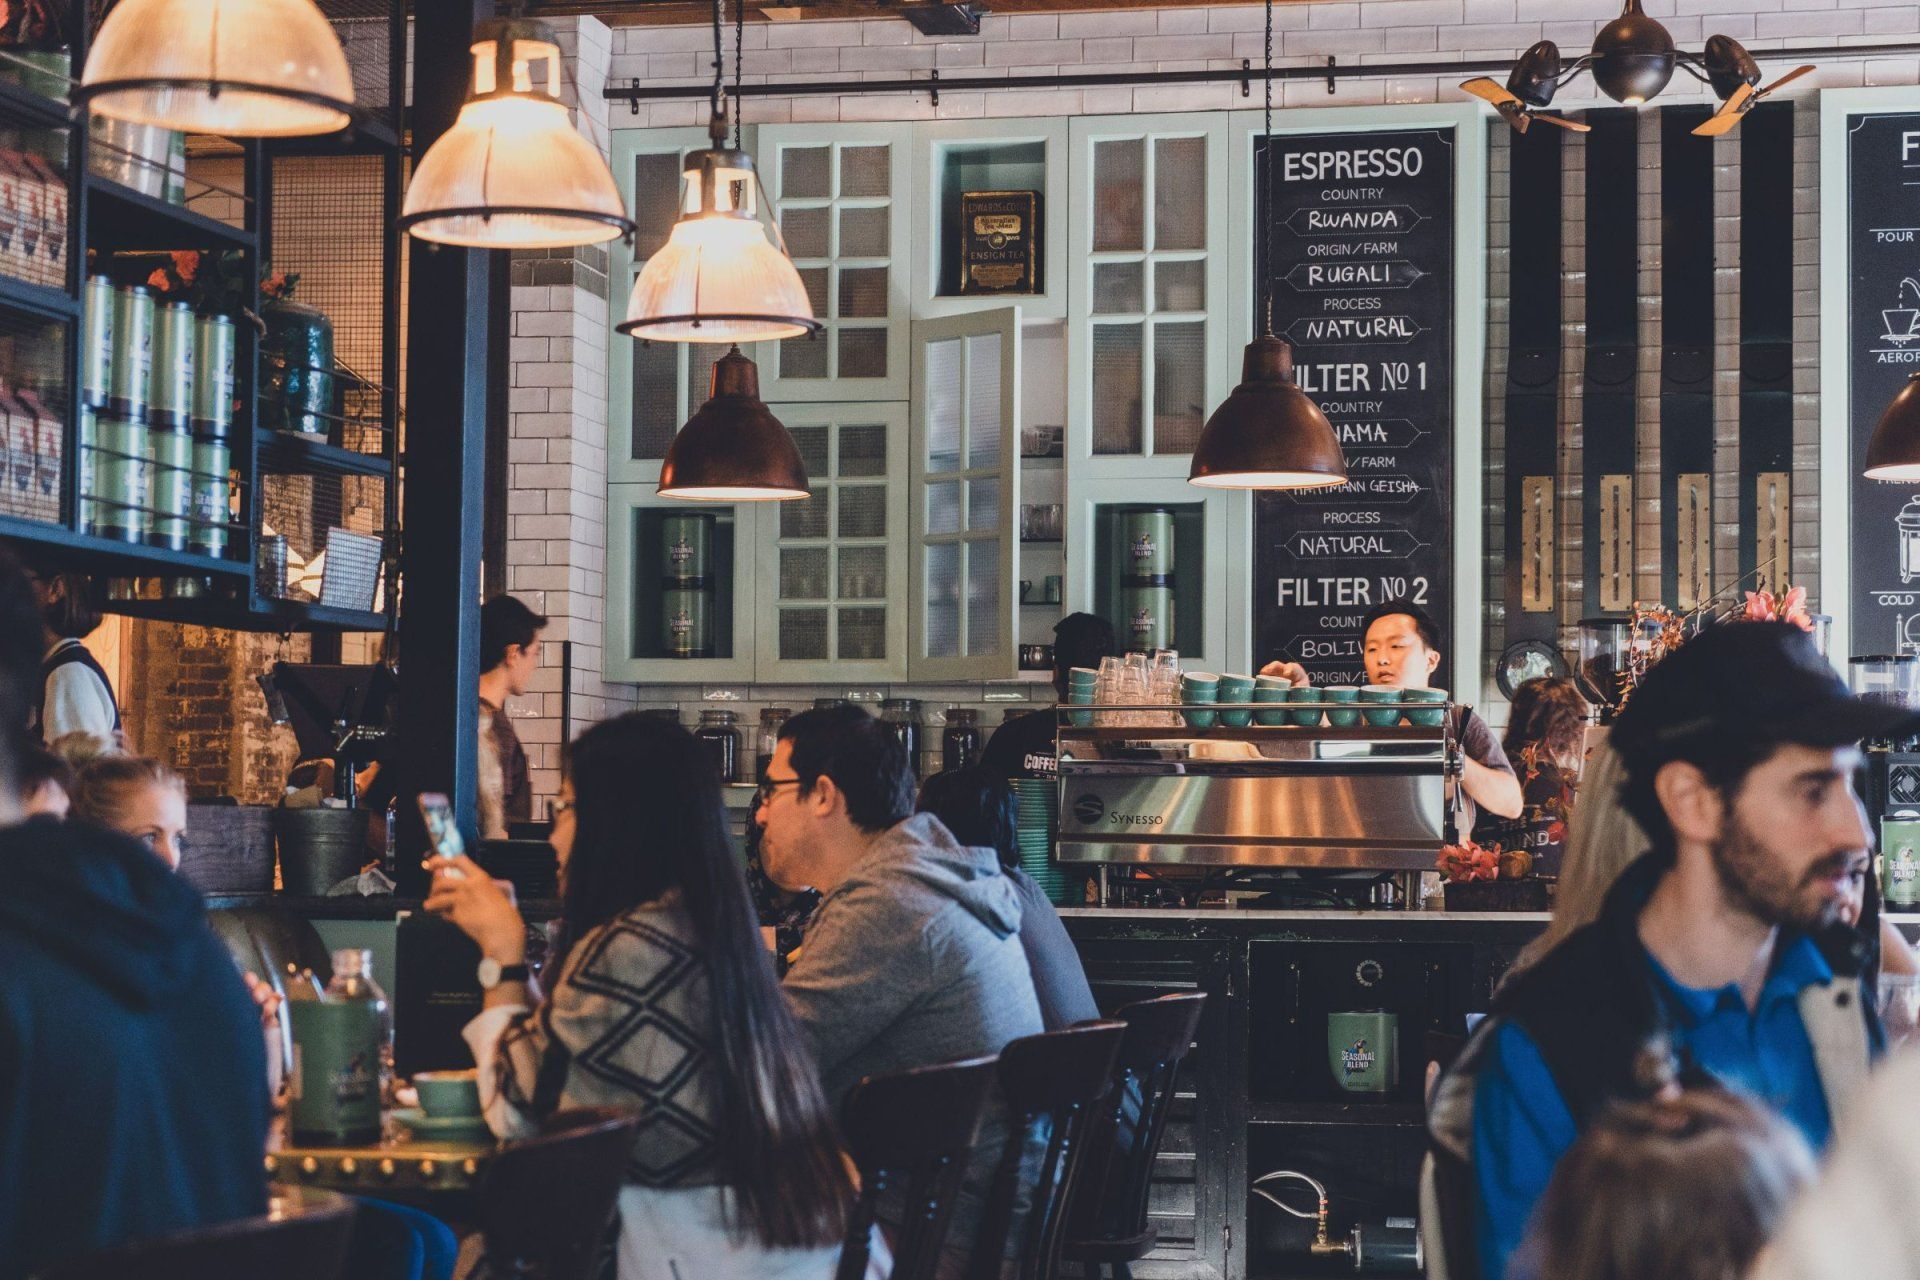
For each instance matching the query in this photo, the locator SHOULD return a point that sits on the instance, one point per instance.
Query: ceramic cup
(1079, 694)
(1378, 717)
(1363, 1051)
(1428, 717)
(1342, 717)
(1236, 689)
(448, 1093)
(1274, 693)
(1199, 687)
(1305, 717)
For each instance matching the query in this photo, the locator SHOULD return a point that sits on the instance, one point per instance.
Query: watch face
(1527, 660)
(489, 973)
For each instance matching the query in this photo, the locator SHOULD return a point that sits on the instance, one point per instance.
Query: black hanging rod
(1245, 75)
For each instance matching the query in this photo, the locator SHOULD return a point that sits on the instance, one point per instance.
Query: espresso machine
(1892, 766)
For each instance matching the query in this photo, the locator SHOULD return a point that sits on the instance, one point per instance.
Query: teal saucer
(423, 1125)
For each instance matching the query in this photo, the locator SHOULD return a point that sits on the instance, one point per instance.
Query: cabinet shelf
(288, 453)
(119, 217)
(122, 559)
(41, 299)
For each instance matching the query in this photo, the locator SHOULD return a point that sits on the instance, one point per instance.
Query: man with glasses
(913, 956)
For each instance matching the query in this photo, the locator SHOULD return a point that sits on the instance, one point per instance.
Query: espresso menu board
(1883, 310)
(1362, 277)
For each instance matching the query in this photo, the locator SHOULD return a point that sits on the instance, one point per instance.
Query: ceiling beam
(660, 13)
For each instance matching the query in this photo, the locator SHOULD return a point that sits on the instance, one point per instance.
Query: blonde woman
(137, 796)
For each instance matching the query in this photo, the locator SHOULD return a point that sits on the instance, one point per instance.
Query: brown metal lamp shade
(1894, 451)
(732, 449)
(1267, 434)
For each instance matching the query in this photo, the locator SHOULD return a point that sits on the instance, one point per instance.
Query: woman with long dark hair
(664, 1001)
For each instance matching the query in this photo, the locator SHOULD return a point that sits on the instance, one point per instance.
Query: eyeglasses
(764, 792)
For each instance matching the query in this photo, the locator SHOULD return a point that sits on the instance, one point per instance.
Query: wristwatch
(492, 973)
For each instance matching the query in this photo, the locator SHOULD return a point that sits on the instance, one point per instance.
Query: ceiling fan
(1632, 60)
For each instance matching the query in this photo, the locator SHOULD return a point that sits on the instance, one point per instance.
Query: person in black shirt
(1024, 747)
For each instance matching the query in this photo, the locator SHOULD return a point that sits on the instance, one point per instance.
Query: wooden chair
(911, 1134)
(302, 1236)
(545, 1203)
(1107, 1223)
(1053, 1084)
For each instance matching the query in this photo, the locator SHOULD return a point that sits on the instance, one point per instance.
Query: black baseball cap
(1758, 681)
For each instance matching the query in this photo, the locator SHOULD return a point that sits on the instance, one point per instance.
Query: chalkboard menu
(1362, 274)
(1883, 322)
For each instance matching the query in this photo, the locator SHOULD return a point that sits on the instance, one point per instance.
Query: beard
(1757, 880)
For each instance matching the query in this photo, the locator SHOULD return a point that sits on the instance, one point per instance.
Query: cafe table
(399, 1166)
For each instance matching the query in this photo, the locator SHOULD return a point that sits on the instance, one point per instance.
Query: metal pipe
(1245, 76)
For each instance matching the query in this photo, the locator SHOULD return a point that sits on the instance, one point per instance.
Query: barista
(1401, 648)
(1024, 747)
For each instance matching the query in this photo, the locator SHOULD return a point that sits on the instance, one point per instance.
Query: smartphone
(442, 832)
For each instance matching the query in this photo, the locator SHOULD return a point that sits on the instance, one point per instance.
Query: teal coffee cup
(446, 1094)
(1342, 717)
(1363, 1050)
(1079, 695)
(1375, 715)
(1236, 689)
(1430, 717)
(1274, 693)
(1305, 717)
(1203, 688)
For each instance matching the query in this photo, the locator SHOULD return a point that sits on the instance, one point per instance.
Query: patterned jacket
(628, 1025)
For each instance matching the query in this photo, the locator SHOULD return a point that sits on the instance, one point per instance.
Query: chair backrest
(1053, 1083)
(910, 1134)
(302, 1236)
(1113, 1187)
(545, 1203)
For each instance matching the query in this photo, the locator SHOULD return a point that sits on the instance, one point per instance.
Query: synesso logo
(1089, 809)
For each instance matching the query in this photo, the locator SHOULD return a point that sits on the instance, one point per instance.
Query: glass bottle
(771, 720)
(902, 716)
(722, 741)
(960, 743)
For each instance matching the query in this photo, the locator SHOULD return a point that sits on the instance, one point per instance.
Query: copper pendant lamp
(733, 449)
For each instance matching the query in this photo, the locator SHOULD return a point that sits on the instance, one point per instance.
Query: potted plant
(1490, 879)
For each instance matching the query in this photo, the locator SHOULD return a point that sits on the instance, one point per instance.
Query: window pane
(1180, 286)
(806, 231)
(1179, 386)
(863, 451)
(863, 511)
(805, 517)
(863, 635)
(983, 401)
(864, 233)
(863, 293)
(656, 404)
(803, 633)
(983, 505)
(1117, 287)
(656, 201)
(1116, 381)
(943, 406)
(815, 280)
(1119, 176)
(865, 171)
(863, 573)
(812, 443)
(803, 173)
(803, 573)
(943, 600)
(803, 358)
(984, 623)
(1179, 193)
(863, 353)
(943, 507)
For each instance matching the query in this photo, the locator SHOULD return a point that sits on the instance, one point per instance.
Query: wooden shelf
(119, 217)
(289, 453)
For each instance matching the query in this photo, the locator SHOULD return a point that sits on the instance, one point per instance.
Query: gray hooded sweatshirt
(915, 959)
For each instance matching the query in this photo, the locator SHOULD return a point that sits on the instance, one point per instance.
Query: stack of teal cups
(1199, 688)
(1430, 717)
(1274, 689)
(1381, 716)
(1080, 687)
(1236, 689)
(1033, 834)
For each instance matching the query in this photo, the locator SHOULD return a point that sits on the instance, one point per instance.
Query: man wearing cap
(1024, 746)
(1719, 956)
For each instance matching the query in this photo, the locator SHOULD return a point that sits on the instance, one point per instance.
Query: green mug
(1363, 1050)
(448, 1093)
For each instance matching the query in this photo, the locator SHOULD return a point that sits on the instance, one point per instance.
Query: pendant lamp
(733, 449)
(513, 172)
(724, 274)
(1894, 451)
(238, 68)
(1267, 433)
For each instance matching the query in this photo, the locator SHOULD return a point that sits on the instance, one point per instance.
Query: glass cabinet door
(652, 387)
(1149, 263)
(966, 491)
(680, 588)
(833, 601)
(842, 200)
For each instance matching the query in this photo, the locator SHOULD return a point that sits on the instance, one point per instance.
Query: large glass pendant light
(733, 449)
(1267, 433)
(513, 172)
(238, 68)
(724, 274)
(1894, 451)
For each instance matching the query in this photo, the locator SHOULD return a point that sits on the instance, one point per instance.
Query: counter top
(1304, 913)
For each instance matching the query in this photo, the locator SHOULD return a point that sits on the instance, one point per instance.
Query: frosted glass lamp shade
(723, 275)
(238, 68)
(513, 172)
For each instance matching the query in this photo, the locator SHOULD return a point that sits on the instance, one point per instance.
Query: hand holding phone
(442, 832)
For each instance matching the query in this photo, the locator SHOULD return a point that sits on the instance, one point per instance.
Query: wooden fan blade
(1489, 89)
(1520, 120)
(1784, 81)
(1736, 105)
(1573, 126)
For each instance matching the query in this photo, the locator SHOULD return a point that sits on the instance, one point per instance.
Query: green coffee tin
(333, 1097)
(171, 487)
(686, 549)
(1149, 544)
(213, 353)
(170, 385)
(132, 352)
(120, 468)
(96, 343)
(1146, 614)
(212, 487)
(686, 623)
(89, 437)
(1900, 859)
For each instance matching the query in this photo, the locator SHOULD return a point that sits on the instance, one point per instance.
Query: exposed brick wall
(193, 703)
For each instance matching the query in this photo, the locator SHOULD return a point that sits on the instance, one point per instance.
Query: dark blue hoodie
(133, 1083)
